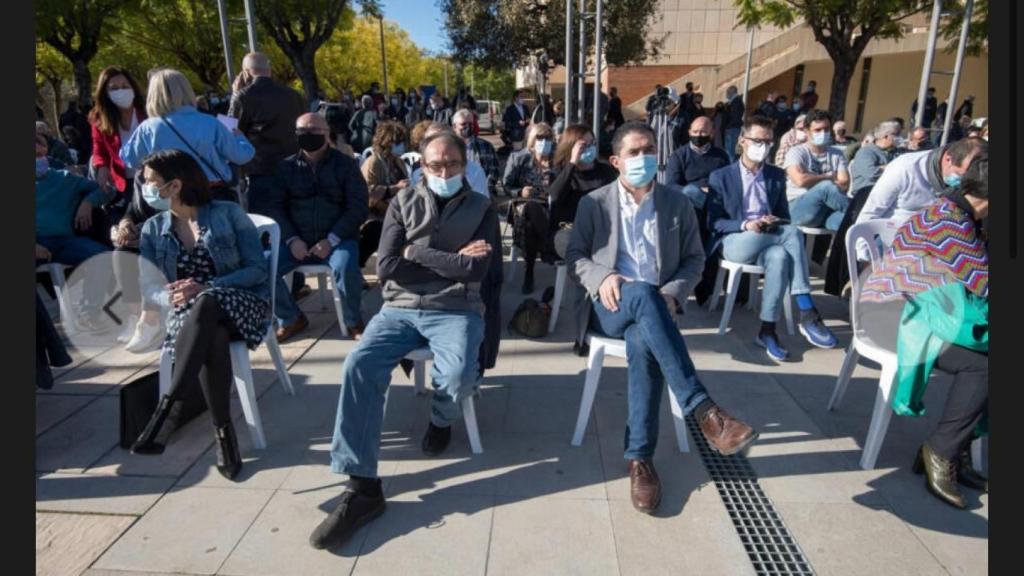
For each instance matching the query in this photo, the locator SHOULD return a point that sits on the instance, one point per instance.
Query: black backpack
(138, 402)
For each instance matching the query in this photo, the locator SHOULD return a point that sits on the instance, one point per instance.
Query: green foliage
(977, 31)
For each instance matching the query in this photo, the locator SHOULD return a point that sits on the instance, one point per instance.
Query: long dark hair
(105, 115)
(174, 164)
(572, 134)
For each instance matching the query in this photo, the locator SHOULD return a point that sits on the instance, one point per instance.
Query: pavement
(530, 504)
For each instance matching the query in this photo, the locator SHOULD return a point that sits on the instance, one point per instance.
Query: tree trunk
(306, 69)
(55, 84)
(843, 69)
(83, 81)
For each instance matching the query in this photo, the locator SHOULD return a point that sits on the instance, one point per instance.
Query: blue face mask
(589, 155)
(952, 180)
(151, 194)
(640, 170)
(543, 147)
(42, 166)
(444, 188)
(796, 106)
(398, 149)
(821, 138)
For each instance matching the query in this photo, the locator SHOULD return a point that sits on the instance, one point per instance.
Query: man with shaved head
(266, 113)
(319, 199)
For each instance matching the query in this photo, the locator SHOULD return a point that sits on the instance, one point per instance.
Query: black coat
(266, 113)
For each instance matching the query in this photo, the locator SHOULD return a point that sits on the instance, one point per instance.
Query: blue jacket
(233, 243)
(725, 200)
(58, 195)
(211, 139)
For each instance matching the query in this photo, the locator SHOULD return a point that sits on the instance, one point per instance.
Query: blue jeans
(782, 256)
(74, 250)
(696, 195)
(348, 280)
(453, 336)
(732, 136)
(655, 353)
(822, 206)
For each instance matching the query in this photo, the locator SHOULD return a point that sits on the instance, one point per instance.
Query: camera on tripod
(664, 98)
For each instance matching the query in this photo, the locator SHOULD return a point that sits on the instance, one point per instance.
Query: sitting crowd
(423, 202)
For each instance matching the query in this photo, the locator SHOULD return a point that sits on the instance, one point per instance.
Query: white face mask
(122, 97)
(756, 152)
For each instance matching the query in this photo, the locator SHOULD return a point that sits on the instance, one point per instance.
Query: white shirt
(901, 190)
(637, 257)
(474, 174)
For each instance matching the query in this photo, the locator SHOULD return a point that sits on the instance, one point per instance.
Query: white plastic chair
(56, 272)
(420, 356)
(325, 283)
(241, 367)
(411, 159)
(809, 236)
(365, 155)
(561, 275)
(601, 346)
(736, 270)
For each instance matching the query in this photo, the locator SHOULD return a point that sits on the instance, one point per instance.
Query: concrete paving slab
(66, 544)
(79, 441)
(52, 409)
(99, 494)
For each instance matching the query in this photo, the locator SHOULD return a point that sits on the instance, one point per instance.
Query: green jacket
(934, 319)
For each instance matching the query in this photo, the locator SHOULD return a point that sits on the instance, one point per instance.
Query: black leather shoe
(940, 476)
(146, 442)
(967, 475)
(229, 461)
(436, 439)
(355, 510)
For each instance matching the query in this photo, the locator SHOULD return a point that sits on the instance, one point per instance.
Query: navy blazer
(725, 200)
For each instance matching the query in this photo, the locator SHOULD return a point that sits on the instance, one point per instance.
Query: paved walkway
(531, 504)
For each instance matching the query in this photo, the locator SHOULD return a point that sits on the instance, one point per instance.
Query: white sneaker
(129, 329)
(147, 338)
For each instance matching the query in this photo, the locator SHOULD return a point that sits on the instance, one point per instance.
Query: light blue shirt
(211, 139)
(755, 195)
(637, 259)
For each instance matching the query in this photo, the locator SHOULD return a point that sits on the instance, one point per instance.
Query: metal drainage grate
(772, 549)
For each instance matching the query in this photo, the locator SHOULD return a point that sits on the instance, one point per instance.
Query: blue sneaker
(770, 342)
(817, 334)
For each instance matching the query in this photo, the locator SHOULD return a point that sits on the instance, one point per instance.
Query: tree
(300, 28)
(977, 32)
(158, 25)
(75, 29)
(501, 34)
(52, 69)
(843, 27)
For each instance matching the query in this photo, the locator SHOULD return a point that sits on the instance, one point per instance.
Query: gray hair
(257, 62)
(886, 128)
(367, 101)
(462, 114)
(168, 91)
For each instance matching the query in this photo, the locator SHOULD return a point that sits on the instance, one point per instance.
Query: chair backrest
(411, 159)
(872, 233)
(265, 225)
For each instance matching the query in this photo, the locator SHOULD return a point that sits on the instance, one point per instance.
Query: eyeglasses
(437, 167)
(757, 140)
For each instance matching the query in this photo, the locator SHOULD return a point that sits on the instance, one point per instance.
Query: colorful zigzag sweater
(936, 246)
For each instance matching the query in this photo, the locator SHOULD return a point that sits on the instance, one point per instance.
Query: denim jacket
(231, 239)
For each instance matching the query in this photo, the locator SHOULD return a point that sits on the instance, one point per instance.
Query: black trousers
(968, 396)
(202, 357)
(369, 240)
(534, 233)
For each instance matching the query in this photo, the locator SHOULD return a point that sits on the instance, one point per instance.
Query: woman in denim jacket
(215, 277)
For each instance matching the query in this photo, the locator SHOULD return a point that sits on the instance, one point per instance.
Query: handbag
(139, 399)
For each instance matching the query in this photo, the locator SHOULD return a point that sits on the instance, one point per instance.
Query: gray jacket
(435, 276)
(594, 245)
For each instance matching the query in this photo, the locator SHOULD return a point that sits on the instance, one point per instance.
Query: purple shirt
(755, 195)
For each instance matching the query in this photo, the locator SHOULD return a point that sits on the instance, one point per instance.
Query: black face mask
(311, 142)
(700, 141)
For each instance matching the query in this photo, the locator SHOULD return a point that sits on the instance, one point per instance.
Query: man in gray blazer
(635, 249)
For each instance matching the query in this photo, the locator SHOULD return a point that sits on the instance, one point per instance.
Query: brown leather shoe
(724, 433)
(644, 486)
(300, 324)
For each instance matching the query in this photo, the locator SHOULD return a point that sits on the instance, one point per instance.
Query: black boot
(940, 476)
(966, 473)
(436, 439)
(229, 461)
(528, 280)
(146, 442)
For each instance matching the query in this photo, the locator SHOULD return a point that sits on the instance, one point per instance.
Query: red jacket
(106, 153)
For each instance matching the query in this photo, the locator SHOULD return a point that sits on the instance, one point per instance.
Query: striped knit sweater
(936, 246)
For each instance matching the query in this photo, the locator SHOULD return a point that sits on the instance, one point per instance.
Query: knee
(775, 257)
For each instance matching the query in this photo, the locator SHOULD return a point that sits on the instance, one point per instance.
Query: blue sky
(421, 20)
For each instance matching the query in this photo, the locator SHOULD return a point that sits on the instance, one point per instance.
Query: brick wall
(637, 82)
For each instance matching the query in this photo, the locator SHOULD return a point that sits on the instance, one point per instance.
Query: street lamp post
(250, 25)
(567, 104)
(229, 66)
(597, 70)
(929, 57)
(583, 60)
(954, 87)
(383, 55)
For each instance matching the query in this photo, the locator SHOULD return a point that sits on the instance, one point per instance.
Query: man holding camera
(748, 215)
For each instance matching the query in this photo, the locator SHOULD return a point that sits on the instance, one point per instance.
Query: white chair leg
(469, 416)
(845, 373)
(338, 309)
(60, 289)
(719, 282)
(787, 308)
(247, 393)
(595, 362)
(679, 420)
(977, 456)
(419, 379)
(275, 355)
(166, 369)
(880, 416)
(730, 300)
(560, 278)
